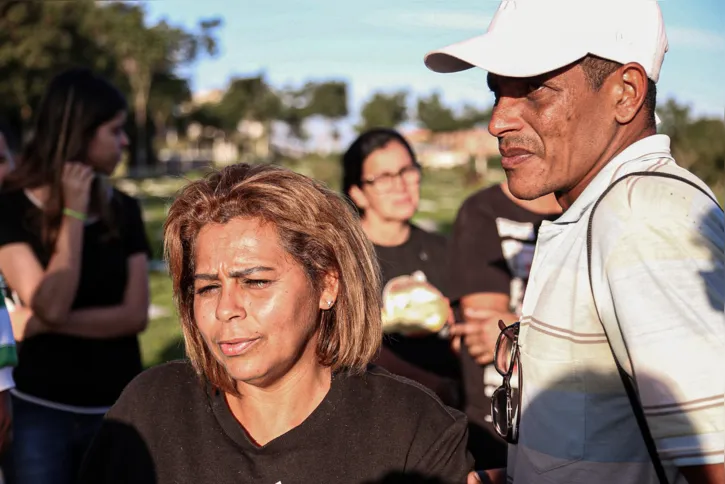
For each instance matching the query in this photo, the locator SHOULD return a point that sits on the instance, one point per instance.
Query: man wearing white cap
(619, 352)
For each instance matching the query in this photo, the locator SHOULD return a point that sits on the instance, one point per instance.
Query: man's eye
(533, 87)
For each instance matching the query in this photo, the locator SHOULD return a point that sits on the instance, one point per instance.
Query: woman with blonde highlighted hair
(278, 293)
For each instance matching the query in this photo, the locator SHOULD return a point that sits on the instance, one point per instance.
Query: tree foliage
(328, 99)
(144, 53)
(697, 144)
(384, 111)
(248, 98)
(40, 39)
(435, 116)
(168, 92)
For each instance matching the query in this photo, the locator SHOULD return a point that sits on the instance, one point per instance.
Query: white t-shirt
(658, 272)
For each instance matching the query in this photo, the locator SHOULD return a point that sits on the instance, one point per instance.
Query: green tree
(697, 144)
(206, 114)
(248, 108)
(435, 116)
(703, 151)
(168, 93)
(473, 116)
(248, 98)
(295, 109)
(144, 52)
(38, 40)
(384, 110)
(674, 119)
(329, 100)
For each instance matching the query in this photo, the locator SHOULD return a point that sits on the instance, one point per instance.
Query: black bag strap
(626, 379)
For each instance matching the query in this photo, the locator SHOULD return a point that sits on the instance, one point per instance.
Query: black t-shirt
(491, 250)
(68, 369)
(425, 252)
(170, 427)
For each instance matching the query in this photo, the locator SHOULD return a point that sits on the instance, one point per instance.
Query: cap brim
(503, 56)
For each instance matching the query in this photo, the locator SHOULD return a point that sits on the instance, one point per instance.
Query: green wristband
(75, 214)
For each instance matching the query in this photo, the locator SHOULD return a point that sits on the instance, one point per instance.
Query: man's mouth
(512, 156)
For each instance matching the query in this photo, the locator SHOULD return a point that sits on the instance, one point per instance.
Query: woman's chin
(402, 214)
(244, 372)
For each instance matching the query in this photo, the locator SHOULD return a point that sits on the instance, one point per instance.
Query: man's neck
(385, 233)
(619, 142)
(267, 413)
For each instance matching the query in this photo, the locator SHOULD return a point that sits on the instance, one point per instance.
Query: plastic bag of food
(412, 305)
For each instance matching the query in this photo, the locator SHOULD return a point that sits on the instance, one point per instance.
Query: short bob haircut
(315, 226)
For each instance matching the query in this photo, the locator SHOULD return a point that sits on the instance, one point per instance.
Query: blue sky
(379, 45)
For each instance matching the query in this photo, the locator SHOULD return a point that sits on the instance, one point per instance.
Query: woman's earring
(329, 304)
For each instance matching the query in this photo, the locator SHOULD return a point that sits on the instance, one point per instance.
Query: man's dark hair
(597, 70)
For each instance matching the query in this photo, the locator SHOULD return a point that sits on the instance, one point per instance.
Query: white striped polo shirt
(658, 272)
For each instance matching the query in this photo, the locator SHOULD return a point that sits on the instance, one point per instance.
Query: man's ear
(358, 197)
(630, 92)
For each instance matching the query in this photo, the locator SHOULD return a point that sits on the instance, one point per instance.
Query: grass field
(442, 192)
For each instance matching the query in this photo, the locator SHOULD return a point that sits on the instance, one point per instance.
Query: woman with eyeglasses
(381, 176)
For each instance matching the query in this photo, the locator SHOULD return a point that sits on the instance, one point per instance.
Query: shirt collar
(652, 146)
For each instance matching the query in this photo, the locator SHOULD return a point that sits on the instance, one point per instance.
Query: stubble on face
(557, 120)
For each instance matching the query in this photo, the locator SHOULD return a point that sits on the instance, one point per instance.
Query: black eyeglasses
(506, 401)
(409, 174)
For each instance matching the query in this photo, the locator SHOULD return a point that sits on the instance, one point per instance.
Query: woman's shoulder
(128, 208)
(393, 397)
(124, 198)
(171, 374)
(402, 417)
(11, 198)
(162, 386)
(7, 193)
(16, 211)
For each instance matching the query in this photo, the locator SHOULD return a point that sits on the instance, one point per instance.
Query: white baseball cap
(528, 38)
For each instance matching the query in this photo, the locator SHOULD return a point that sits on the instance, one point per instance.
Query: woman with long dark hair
(73, 251)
